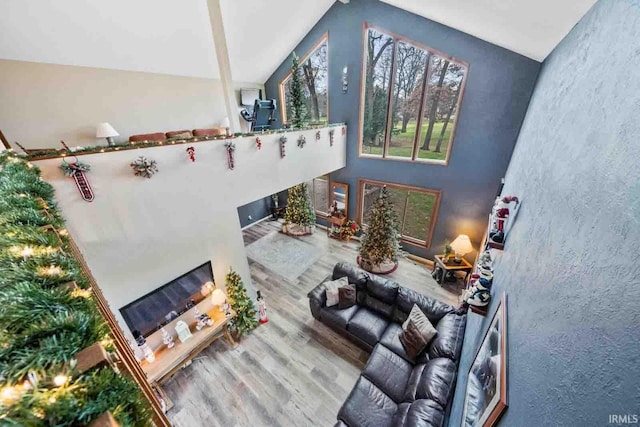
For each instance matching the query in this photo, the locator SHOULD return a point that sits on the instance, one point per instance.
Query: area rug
(284, 255)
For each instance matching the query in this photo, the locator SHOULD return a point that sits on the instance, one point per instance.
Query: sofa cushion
(391, 340)
(448, 342)
(159, 136)
(434, 381)
(336, 317)
(346, 296)
(207, 132)
(401, 414)
(356, 275)
(388, 371)
(367, 325)
(367, 406)
(179, 134)
(406, 298)
(380, 295)
(424, 413)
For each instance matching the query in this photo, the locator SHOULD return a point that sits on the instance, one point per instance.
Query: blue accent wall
(259, 209)
(570, 266)
(495, 100)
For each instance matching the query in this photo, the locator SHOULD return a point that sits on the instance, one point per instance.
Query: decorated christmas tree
(245, 319)
(296, 102)
(299, 208)
(380, 242)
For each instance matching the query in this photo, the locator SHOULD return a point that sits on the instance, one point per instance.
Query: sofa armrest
(318, 295)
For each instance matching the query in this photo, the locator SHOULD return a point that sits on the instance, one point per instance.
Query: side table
(449, 268)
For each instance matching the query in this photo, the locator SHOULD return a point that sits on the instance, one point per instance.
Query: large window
(314, 72)
(411, 95)
(417, 208)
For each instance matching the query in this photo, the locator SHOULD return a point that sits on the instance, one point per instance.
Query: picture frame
(485, 396)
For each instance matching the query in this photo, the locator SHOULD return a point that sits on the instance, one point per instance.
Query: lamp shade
(105, 130)
(218, 297)
(462, 245)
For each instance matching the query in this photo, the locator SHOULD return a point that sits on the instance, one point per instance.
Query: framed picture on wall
(486, 395)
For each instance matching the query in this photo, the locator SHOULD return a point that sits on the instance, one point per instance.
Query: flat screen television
(164, 304)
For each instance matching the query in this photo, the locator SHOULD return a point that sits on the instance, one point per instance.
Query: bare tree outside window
(426, 89)
(314, 72)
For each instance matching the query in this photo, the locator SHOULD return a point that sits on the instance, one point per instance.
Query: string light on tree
(60, 380)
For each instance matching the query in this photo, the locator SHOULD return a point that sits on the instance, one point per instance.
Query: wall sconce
(345, 80)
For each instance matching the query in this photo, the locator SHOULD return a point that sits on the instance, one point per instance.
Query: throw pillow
(346, 296)
(422, 323)
(182, 135)
(412, 340)
(332, 290)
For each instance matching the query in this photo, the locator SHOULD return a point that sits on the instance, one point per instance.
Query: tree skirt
(386, 267)
(297, 229)
(284, 255)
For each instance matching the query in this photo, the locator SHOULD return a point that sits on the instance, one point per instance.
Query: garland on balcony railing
(44, 323)
(63, 152)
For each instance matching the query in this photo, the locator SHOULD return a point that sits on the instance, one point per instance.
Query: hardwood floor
(292, 371)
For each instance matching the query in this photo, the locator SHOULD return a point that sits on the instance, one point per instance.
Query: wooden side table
(450, 268)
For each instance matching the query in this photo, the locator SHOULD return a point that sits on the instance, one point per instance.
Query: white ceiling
(174, 37)
(532, 28)
(158, 36)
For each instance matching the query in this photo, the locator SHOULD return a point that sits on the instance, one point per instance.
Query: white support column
(224, 64)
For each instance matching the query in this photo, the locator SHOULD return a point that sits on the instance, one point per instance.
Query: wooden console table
(171, 360)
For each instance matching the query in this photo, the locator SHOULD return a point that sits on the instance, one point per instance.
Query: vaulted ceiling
(174, 37)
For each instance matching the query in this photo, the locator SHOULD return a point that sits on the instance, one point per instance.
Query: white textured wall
(44, 103)
(139, 233)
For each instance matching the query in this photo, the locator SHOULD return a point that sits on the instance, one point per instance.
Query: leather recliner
(393, 389)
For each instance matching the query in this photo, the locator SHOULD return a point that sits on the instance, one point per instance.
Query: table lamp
(105, 130)
(461, 246)
(218, 298)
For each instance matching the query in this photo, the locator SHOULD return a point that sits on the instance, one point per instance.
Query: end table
(449, 268)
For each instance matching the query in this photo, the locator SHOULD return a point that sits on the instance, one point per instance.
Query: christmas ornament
(258, 143)
(301, 141)
(318, 136)
(77, 170)
(262, 309)
(167, 338)
(331, 132)
(344, 130)
(283, 141)
(231, 147)
(144, 167)
(191, 152)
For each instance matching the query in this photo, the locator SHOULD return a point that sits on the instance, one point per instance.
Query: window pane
(379, 51)
(320, 199)
(411, 63)
(399, 198)
(370, 194)
(314, 73)
(419, 215)
(439, 113)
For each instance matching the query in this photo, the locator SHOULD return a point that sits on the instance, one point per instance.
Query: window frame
(416, 151)
(406, 239)
(281, 84)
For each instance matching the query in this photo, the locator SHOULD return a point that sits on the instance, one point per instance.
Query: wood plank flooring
(292, 371)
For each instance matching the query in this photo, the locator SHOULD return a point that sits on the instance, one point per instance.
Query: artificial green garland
(43, 325)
